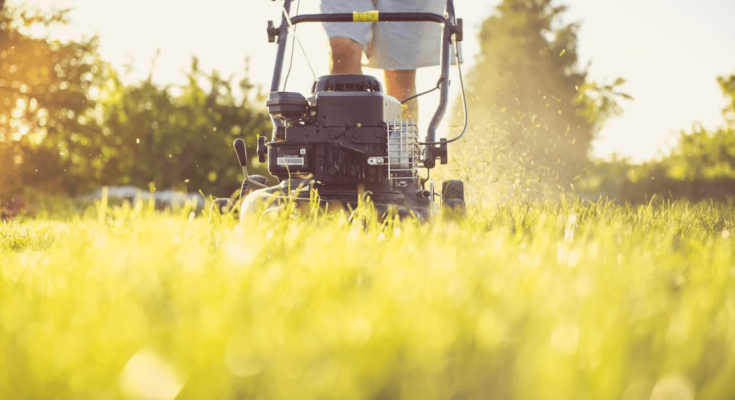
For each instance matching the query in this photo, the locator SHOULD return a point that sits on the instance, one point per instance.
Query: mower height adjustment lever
(242, 156)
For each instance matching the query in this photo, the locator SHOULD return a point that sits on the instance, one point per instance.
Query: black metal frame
(452, 26)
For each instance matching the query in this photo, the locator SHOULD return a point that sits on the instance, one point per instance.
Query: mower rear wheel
(248, 187)
(453, 196)
(221, 208)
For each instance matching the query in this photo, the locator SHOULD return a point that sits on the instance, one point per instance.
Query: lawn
(565, 300)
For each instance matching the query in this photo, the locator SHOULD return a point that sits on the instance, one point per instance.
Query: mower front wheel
(221, 207)
(453, 197)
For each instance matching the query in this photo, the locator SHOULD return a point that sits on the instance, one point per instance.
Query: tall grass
(530, 301)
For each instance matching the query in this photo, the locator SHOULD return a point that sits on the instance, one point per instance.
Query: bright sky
(669, 51)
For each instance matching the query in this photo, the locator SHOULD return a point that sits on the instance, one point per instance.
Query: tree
(178, 141)
(43, 97)
(727, 85)
(700, 167)
(703, 154)
(530, 102)
(68, 123)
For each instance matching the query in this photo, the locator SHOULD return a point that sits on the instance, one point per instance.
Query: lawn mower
(347, 141)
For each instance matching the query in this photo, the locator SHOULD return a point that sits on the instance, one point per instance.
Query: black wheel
(248, 187)
(453, 196)
(259, 178)
(221, 206)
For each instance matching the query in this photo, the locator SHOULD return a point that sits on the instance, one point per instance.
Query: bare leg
(345, 59)
(346, 56)
(402, 84)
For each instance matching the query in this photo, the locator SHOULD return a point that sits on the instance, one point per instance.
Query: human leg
(401, 84)
(401, 48)
(345, 56)
(407, 45)
(347, 40)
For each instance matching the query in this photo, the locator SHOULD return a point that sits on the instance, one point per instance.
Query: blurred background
(626, 99)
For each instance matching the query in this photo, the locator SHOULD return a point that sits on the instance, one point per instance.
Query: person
(398, 48)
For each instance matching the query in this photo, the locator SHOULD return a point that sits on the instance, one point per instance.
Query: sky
(669, 51)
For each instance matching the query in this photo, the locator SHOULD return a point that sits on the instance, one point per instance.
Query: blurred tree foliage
(701, 166)
(68, 123)
(43, 96)
(703, 154)
(181, 141)
(727, 85)
(532, 108)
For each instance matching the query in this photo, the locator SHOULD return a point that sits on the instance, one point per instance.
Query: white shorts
(395, 45)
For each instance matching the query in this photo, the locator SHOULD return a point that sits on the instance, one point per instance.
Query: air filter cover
(290, 106)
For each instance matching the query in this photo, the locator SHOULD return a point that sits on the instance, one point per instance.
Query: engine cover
(355, 109)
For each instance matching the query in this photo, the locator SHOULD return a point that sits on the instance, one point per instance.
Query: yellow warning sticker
(367, 16)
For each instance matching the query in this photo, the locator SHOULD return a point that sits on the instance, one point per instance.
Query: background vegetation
(700, 167)
(68, 124)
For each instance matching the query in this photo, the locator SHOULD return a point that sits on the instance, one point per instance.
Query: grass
(530, 301)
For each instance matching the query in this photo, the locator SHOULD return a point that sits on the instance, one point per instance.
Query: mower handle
(452, 26)
(370, 16)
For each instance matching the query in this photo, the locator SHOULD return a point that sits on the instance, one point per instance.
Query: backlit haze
(669, 51)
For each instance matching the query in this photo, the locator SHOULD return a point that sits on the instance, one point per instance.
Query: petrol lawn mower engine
(347, 136)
